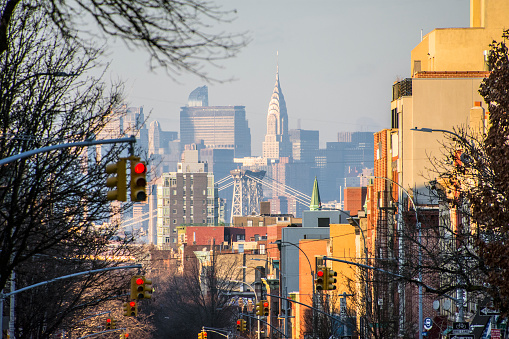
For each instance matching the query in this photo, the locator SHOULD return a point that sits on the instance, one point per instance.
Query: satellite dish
(447, 304)
(436, 305)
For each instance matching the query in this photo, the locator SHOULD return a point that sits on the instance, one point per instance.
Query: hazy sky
(337, 62)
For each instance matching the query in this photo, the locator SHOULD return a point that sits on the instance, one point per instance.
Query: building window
(395, 118)
(323, 222)
(250, 223)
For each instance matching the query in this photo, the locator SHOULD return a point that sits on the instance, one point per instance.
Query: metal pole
(71, 276)
(256, 298)
(12, 306)
(27, 154)
(285, 288)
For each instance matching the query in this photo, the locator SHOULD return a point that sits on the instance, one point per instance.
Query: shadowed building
(218, 127)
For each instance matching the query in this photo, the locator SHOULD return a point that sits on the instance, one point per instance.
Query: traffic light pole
(256, 298)
(311, 307)
(263, 321)
(215, 330)
(5, 295)
(107, 331)
(27, 154)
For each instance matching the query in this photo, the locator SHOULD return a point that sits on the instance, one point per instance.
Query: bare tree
(198, 296)
(177, 35)
(53, 209)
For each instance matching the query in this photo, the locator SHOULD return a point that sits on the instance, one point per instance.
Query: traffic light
(141, 287)
(118, 181)
(124, 335)
(204, 335)
(113, 324)
(200, 335)
(138, 179)
(320, 278)
(330, 279)
(131, 309)
(108, 323)
(239, 325)
(265, 305)
(259, 308)
(242, 325)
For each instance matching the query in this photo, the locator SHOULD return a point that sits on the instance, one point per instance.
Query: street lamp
(279, 243)
(256, 299)
(354, 222)
(459, 292)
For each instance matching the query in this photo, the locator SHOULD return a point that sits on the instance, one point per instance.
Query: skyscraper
(218, 127)
(277, 141)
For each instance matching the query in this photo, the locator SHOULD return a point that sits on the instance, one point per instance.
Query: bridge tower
(247, 192)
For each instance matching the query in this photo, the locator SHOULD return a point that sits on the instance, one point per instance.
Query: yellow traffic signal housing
(330, 279)
(242, 325)
(266, 310)
(108, 323)
(259, 308)
(138, 179)
(141, 287)
(131, 309)
(200, 335)
(204, 335)
(239, 325)
(321, 273)
(119, 181)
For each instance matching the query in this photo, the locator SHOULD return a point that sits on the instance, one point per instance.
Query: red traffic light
(238, 322)
(108, 320)
(132, 304)
(266, 304)
(126, 335)
(139, 281)
(140, 168)
(319, 273)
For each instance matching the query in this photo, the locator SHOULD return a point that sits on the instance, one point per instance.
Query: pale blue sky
(337, 62)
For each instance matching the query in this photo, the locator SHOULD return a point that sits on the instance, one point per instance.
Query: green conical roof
(315, 204)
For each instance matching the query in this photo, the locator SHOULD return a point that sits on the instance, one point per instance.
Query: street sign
(495, 334)
(488, 311)
(460, 328)
(428, 324)
(461, 336)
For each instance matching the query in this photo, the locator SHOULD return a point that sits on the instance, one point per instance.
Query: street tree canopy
(179, 36)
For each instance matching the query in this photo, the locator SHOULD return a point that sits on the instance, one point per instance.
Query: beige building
(447, 69)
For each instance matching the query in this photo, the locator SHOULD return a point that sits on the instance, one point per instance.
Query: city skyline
(348, 51)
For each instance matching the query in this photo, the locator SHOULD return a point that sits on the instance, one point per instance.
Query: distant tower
(277, 141)
(218, 127)
(315, 204)
(199, 97)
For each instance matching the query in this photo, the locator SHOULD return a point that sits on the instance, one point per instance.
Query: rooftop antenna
(277, 64)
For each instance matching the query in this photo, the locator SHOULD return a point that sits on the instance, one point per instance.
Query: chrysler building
(277, 140)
